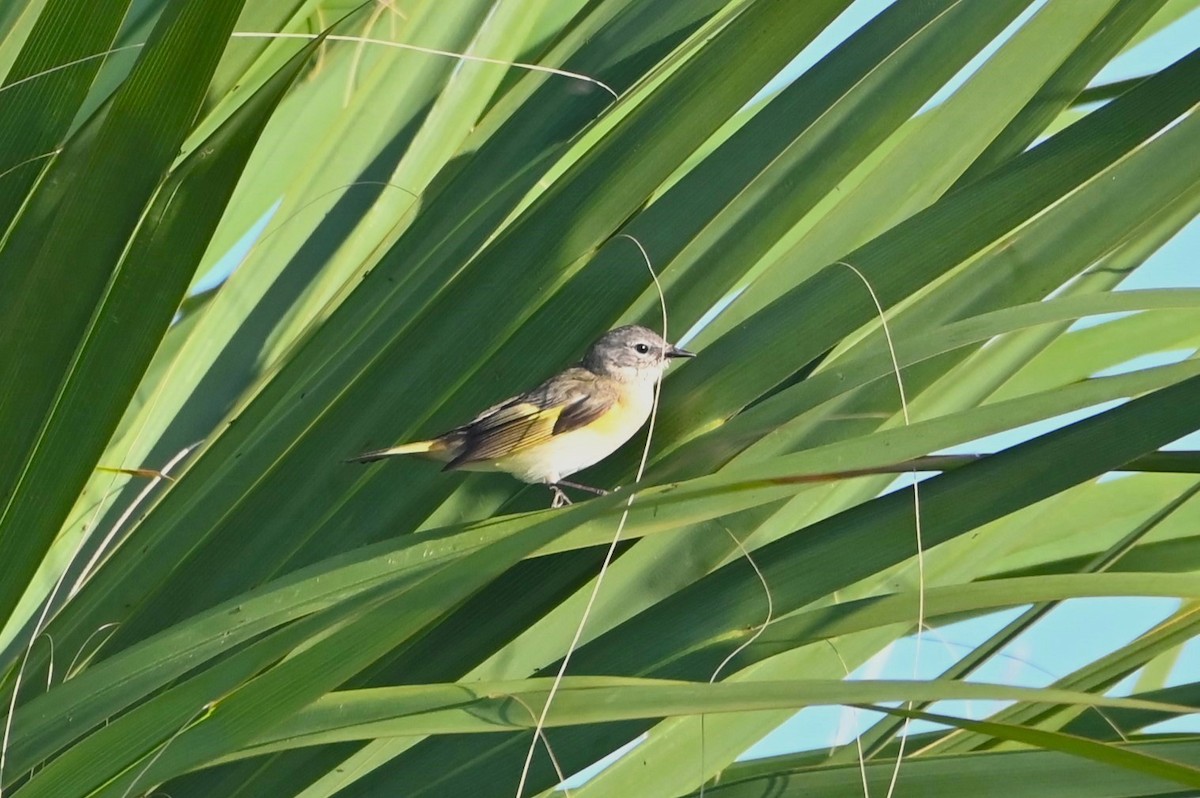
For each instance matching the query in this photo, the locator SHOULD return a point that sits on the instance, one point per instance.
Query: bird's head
(631, 354)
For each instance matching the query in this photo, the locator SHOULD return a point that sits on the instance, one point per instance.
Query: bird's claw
(560, 498)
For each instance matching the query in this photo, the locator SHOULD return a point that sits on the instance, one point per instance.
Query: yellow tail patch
(432, 447)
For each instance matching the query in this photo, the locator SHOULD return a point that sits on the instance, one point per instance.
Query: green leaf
(505, 706)
(65, 394)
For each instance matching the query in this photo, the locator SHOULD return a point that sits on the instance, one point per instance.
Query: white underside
(573, 451)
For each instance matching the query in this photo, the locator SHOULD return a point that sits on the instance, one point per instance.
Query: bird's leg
(560, 498)
(588, 488)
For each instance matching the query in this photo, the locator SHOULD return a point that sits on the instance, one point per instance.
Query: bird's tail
(430, 448)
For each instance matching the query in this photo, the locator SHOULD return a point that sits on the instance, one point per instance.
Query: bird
(573, 420)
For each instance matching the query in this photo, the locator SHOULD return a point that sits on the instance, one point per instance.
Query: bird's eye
(642, 349)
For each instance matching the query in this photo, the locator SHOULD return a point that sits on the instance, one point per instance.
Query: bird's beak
(675, 351)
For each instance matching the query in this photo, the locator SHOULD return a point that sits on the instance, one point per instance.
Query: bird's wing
(571, 400)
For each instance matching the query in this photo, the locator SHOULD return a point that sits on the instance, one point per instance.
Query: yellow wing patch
(508, 430)
(526, 423)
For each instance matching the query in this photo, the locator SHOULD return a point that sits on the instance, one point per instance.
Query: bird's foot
(588, 488)
(560, 498)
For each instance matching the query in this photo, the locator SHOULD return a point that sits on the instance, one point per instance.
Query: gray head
(631, 353)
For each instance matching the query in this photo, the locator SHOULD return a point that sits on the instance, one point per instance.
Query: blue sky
(1076, 632)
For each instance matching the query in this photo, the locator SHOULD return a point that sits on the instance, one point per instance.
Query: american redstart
(569, 422)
